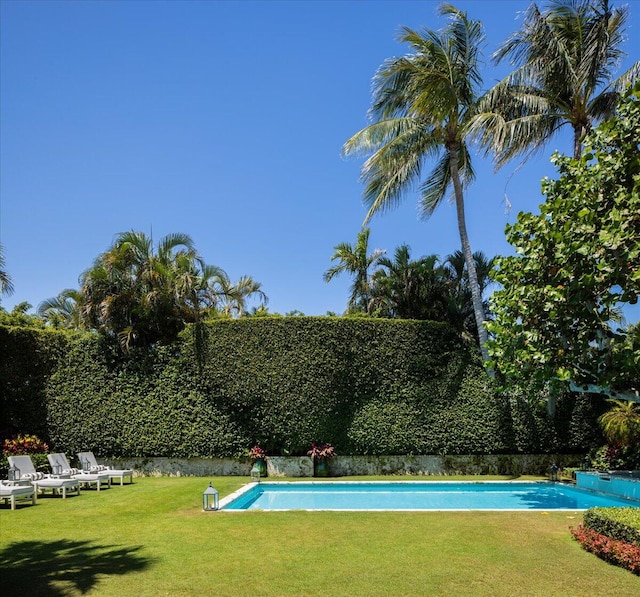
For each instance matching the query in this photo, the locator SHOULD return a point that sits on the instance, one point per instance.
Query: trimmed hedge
(28, 357)
(368, 386)
(622, 524)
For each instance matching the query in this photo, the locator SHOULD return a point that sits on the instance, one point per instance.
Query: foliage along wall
(366, 386)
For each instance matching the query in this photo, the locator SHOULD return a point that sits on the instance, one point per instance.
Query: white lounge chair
(17, 491)
(40, 481)
(113, 473)
(60, 465)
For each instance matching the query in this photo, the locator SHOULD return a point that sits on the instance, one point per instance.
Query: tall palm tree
(424, 105)
(6, 285)
(564, 58)
(355, 260)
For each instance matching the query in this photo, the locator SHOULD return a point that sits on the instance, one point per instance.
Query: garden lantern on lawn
(210, 499)
(255, 474)
(14, 473)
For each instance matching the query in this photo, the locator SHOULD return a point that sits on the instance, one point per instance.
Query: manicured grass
(152, 538)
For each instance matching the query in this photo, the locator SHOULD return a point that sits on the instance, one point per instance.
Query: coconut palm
(6, 286)
(355, 260)
(564, 58)
(423, 107)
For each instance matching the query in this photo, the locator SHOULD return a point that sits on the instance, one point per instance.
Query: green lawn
(152, 538)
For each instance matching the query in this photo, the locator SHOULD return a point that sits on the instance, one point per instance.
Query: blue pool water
(410, 495)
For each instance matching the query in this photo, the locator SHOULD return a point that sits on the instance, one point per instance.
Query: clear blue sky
(222, 120)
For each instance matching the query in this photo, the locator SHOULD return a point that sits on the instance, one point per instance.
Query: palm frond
(627, 78)
(391, 171)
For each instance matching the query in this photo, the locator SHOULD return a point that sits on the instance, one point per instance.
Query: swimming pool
(417, 495)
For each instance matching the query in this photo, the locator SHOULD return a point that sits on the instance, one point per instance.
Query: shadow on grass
(65, 567)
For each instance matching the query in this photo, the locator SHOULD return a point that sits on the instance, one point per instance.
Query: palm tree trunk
(468, 255)
(579, 131)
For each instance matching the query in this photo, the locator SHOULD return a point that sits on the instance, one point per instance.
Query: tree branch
(630, 395)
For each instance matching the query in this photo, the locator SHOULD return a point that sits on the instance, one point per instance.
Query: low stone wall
(344, 466)
(493, 464)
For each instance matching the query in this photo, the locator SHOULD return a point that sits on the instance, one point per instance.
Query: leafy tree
(355, 260)
(577, 262)
(19, 317)
(423, 107)
(565, 58)
(6, 285)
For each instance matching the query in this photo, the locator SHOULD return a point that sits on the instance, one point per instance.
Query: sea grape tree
(577, 264)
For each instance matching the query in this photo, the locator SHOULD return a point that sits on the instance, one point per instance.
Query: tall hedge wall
(367, 386)
(27, 360)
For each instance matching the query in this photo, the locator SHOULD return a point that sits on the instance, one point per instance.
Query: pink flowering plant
(321, 451)
(257, 453)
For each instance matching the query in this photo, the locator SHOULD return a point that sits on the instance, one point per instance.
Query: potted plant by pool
(320, 453)
(259, 458)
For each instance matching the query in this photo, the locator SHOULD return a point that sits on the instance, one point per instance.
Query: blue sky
(222, 120)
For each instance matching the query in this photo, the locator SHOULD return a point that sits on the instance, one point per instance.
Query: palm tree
(423, 107)
(145, 295)
(410, 289)
(6, 286)
(461, 303)
(621, 424)
(129, 290)
(64, 310)
(565, 58)
(234, 296)
(356, 261)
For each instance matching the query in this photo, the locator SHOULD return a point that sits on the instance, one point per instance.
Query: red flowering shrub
(620, 553)
(24, 444)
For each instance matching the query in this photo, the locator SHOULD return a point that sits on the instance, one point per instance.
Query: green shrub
(622, 524)
(609, 458)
